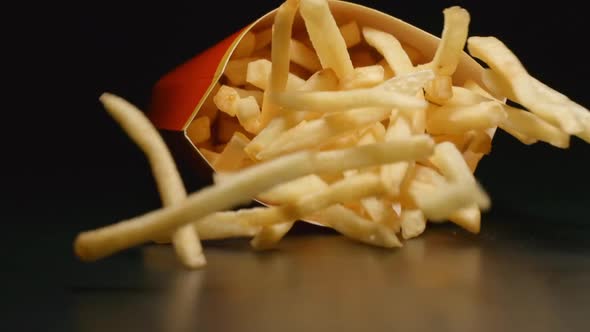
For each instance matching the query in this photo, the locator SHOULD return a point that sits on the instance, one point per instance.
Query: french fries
(185, 239)
(342, 125)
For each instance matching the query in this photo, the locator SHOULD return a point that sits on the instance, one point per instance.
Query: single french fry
(448, 159)
(259, 73)
(465, 96)
(468, 218)
(199, 130)
(393, 175)
(303, 56)
(440, 203)
(454, 36)
(364, 77)
(248, 113)
(459, 119)
(326, 38)
(532, 126)
(412, 148)
(290, 192)
(351, 33)
(281, 43)
(516, 83)
(139, 128)
(582, 114)
(225, 99)
(323, 80)
(245, 47)
(308, 134)
(233, 156)
(334, 101)
(223, 225)
(413, 223)
(269, 236)
(390, 48)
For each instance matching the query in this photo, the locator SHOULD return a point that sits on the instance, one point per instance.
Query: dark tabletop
(517, 275)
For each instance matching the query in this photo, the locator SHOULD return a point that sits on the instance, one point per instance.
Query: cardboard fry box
(178, 96)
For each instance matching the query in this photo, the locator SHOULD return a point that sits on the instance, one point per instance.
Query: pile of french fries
(340, 125)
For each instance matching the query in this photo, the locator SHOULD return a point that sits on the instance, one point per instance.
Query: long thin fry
(280, 58)
(168, 180)
(390, 48)
(326, 37)
(334, 101)
(239, 189)
(454, 35)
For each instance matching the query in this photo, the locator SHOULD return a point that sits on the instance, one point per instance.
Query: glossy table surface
(515, 276)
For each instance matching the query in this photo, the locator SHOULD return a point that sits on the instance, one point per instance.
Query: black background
(78, 169)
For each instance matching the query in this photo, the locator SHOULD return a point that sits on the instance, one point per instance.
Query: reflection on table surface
(446, 280)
